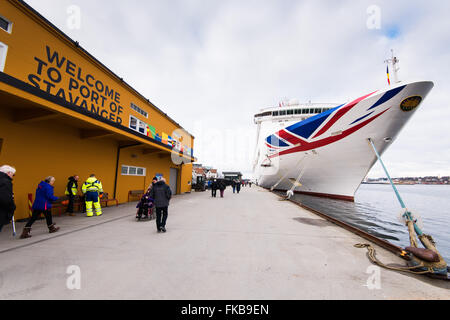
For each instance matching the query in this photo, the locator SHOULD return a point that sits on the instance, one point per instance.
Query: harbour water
(376, 210)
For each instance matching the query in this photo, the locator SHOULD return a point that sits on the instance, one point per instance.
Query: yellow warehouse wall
(54, 64)
(40, 57)
(50, 148)
(47, 149)
(186, 178)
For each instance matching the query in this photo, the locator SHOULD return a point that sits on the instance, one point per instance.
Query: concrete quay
(247, 246)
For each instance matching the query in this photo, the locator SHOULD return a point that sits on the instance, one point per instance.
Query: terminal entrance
(173, 183)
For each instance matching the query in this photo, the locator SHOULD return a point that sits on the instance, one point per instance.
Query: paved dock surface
(244, 246)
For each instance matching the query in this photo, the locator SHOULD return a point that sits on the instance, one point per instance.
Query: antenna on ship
(392, 66)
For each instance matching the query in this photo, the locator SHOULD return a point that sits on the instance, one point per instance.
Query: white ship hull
(329, 154)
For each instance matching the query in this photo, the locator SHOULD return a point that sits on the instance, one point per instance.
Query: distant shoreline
(407, 184)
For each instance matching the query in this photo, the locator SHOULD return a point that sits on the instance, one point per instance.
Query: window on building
(138, 125)
(290, 112)
(5, 24)
(282, 113)
(133, 123)
(3, 52)
(133, 171)
(139, 110)
(142, 127)
(275, 113)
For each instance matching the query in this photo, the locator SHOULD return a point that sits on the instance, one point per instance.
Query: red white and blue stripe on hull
(329, 153)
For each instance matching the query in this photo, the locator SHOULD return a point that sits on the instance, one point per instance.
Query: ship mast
(392, 65)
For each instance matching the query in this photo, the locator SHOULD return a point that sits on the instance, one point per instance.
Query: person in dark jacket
(214, 188)
(238, 186)
(161, 194)
(146, 203)
(7, 205)
(222, 186)
(42, 205)
(71, 193)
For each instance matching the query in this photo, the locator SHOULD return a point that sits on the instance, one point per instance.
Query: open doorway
(173, 182)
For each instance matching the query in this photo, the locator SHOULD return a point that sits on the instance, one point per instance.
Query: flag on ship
(388, 76)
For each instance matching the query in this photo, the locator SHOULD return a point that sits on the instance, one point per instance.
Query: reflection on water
(376, 211)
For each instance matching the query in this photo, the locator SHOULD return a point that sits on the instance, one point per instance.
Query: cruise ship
(324, 149)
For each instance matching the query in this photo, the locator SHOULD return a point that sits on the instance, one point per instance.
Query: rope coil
(372, 256)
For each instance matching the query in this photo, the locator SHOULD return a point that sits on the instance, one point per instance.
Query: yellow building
(62, 112)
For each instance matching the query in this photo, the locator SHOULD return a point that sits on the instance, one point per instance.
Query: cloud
(212, 65)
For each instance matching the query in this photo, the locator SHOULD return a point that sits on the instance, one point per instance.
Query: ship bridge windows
(265, 114)
(291, 112)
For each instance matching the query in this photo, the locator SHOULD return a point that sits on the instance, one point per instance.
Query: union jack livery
(323, 149)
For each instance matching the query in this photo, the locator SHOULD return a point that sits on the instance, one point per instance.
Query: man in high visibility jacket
(71, 192)
(92, 189)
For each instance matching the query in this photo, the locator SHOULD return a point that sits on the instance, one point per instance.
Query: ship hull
(333, 159)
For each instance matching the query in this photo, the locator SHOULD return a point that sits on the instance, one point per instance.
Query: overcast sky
(211, 65)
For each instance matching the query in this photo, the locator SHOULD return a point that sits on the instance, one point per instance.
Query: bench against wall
(135, 194)
(78, 202)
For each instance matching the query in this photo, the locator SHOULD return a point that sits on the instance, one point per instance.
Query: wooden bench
(105, 199)
(135, 194)
(77, 204)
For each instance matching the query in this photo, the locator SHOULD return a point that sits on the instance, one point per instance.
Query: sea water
(376, 210)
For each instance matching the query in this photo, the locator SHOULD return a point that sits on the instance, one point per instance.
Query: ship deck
(247, 246)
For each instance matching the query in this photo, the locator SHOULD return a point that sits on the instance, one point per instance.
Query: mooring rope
(372, 256)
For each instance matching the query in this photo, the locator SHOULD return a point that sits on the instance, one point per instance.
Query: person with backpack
(161, 194)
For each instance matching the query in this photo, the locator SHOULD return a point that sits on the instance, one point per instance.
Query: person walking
(222, 187)
(42, 205)
(71, 192)
(7, 205)
(214, 188)
(92, 190)
(161, 194)
(233, 185)
(238, 187)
